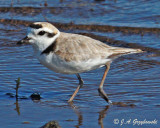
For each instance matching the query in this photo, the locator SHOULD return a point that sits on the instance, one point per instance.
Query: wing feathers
(74, 47)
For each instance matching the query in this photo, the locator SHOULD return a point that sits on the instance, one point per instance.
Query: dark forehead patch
(36, 26)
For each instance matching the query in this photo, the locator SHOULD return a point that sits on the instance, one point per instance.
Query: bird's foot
(104, 96)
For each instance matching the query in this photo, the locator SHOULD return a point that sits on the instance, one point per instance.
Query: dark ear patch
(36, 26)
(50, 35)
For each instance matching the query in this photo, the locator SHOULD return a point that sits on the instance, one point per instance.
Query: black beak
(24, 41)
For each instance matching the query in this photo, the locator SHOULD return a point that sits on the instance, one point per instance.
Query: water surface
(133, 82)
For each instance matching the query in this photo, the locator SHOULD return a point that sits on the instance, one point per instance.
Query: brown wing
(74, 47)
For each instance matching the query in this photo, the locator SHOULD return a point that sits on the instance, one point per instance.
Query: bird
(70, 53)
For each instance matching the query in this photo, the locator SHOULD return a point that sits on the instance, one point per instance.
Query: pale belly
(58, 65)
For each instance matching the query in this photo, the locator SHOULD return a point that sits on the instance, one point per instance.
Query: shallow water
(133, 82)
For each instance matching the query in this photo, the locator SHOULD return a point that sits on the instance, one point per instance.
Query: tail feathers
(126, 50)
(117, 51)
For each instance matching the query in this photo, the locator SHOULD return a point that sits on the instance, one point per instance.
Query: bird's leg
(79, 86)
(100, 89)
(80, 80)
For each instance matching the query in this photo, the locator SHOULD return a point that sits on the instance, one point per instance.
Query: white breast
(56, 64)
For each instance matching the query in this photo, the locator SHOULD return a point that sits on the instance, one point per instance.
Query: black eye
(41, 33)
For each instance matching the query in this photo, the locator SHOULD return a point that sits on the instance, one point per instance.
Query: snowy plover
(71, 53)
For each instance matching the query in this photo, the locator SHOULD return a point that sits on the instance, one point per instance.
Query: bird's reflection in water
(78, 113)
(102, 115)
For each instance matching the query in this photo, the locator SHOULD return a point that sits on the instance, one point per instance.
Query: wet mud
(96, 28)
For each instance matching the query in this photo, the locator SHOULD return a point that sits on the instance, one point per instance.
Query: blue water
(137, 13)
(133, 79)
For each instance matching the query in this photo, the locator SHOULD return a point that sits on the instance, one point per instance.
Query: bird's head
(40, 35)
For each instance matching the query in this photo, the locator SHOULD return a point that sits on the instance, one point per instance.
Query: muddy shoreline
(96, 28)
